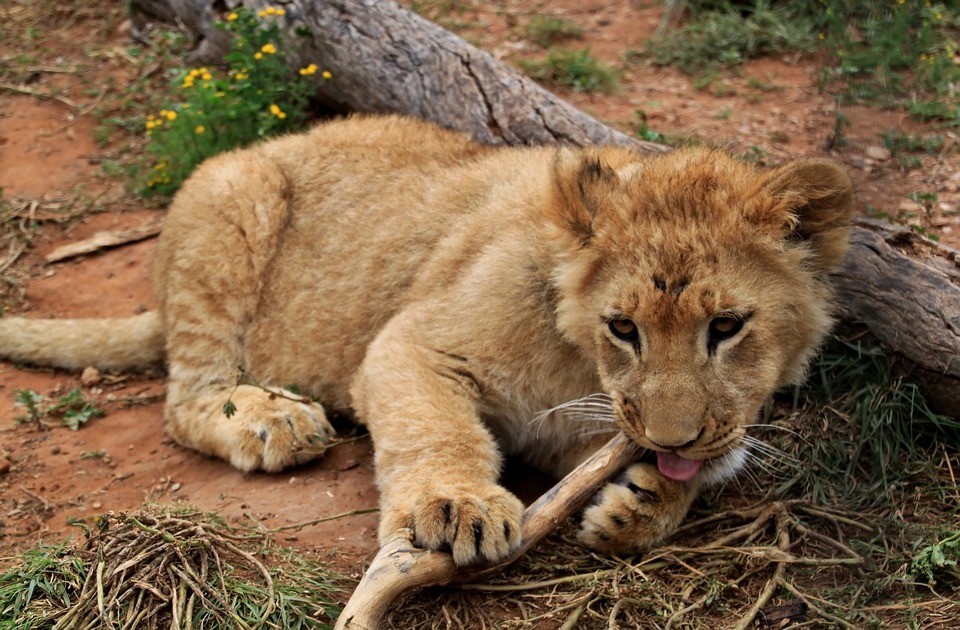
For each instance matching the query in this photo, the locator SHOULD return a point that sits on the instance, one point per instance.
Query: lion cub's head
(699, 284)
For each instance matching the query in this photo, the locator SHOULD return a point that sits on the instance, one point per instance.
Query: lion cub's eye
(625, 330)
(722, 328)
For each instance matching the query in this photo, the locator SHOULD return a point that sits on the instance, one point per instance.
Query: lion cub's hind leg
(269, 428)
(636, 512)
(219, 240)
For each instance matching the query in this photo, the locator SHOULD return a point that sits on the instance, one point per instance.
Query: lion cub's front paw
(474, 522)
(636, 512)
(275, 429)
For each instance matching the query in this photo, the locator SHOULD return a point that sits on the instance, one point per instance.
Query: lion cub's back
(337, 222)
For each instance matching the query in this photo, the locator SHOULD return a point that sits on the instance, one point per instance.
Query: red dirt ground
(48, 152)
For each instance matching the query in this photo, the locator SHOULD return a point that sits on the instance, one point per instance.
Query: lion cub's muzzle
(682, 448)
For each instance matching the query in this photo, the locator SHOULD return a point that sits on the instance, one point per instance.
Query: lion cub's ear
(582, 183)
(819, 197)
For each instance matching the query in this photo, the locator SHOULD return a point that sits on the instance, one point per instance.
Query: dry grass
(163, 569)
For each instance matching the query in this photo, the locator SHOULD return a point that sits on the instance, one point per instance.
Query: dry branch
(103, 240)
(905, 288)
(399, 567)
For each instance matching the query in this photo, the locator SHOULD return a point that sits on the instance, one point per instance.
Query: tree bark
(906, 289)
(903, 287)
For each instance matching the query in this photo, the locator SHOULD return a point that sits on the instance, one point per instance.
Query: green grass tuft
(728, 35)
(875, 431)
(574, 69)
(547, 30)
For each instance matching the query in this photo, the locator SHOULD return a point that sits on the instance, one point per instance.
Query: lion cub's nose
(672, 440)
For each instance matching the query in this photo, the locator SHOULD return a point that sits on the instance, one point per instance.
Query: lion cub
(470, 302)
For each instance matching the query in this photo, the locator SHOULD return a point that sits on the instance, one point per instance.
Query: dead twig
(104, 240)
(21, 89)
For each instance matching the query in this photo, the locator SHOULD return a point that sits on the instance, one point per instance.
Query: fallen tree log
(903, 287)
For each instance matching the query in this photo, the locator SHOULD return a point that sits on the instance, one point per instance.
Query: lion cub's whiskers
(593, 408)
(761, 425)
(762, 456)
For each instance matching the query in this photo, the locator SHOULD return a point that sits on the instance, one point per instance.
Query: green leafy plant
(30, 401)
(939, 561)
(574, 69)
(73, 410)
(256, 98)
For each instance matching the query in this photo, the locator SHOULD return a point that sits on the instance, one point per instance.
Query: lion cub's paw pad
(278, 430)
(474, 523)
(625, 517)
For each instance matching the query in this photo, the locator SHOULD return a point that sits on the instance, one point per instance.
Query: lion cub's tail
(107, 344)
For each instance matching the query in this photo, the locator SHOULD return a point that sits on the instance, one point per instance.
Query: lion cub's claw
(276, 430)
(634, 513)
(475, 524)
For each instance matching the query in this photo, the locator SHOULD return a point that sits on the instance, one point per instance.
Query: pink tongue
(677, 468)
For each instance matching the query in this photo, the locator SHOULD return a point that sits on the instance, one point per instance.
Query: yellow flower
(240, 76)
(220, 94)
(268, 49)
(280, 12)
(171, 116)
(233, 16)
(311, 69)
(200, 129)
(206, 76)
(258, 56)
(276, 111)
(327, 74)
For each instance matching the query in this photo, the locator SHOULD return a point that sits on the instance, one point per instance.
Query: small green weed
(721, 34)
(764, 85)
(899, 142)
(257, 98)
(73, 410)
(642, 130)
(837, 138)
(938, 562)
(547, 30)
(935, 110)
(30, 401)
(574, 69)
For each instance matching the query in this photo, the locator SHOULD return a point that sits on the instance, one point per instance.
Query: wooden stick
(103, 240)
(400, 567)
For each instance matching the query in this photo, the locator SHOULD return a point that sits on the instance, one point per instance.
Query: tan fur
(448, 292)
